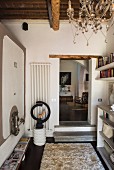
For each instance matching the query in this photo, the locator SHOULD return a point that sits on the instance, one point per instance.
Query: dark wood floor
(34, 154)
(69, 113)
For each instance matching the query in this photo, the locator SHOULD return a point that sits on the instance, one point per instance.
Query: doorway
(92, 61)
(73, 82)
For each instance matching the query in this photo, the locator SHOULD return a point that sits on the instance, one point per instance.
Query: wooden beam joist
(24, 10)
(55, 13)
(19, 16)
(76, 57)
(50, 13)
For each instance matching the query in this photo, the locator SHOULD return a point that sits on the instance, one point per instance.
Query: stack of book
(107, 73)
(14, 160)
(102, 61)
(22, 145)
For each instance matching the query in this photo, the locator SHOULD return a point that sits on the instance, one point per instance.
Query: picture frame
(65, 78)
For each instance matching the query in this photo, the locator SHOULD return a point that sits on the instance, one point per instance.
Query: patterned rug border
(76, 156)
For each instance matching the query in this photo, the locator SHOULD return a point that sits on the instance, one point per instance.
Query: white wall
(110, 41)
(81, 80)
(40, 41)
(11, 50)
(98, 90)
(13, 82)
(70, 66)
(109, 49)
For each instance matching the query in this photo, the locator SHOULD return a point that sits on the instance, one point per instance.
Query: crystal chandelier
(92, 14)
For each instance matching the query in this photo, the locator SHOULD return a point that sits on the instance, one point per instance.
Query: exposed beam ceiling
(55, 13)
(52, 10)
(50, 13)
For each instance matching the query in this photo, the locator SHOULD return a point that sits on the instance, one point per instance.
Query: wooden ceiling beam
(50, 13)
(27, 9)
(23, 1)
(19, 10)
(23, 16)
(76, 57)
(22, 6)
(55, 13)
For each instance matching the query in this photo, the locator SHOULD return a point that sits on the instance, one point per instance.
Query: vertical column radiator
(40, 88)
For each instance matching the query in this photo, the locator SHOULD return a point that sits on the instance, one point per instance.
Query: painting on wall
(65, 78)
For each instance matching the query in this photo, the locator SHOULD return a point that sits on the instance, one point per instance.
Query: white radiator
(40, 88)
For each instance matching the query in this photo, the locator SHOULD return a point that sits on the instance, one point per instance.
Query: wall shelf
(105, 67)
(107, 121)
(106, 108)
(105, 79)
(101, 137)
(105, 157)
(14, 160)
(108, 140)
(106, 72)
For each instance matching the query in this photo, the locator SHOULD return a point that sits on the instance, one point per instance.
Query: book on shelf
(12, 162)
(107, 73)
(102, 61)
(111, 57)
(24, 140)
(16, 156)
(9, 165)
(20, 147)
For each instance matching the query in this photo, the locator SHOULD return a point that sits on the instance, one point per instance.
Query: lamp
(92, 14)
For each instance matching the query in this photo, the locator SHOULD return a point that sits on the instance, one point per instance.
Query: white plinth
(39, 136)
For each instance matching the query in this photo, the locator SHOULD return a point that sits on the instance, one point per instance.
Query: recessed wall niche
(12, 82)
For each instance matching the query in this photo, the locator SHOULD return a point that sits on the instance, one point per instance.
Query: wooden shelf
(105, 157)
(19, 153)
(107, 66)
(111, 124)
(108, 140)
(101, 138)
(107, 109)
(105, 79)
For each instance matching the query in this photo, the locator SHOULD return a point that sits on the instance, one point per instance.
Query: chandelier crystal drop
(92, 14)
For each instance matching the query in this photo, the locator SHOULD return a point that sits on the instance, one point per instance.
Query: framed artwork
(65, 78)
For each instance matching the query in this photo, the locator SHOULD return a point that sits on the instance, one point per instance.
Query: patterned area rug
(71, 156)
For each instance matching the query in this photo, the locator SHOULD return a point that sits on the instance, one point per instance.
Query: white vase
(39, 136)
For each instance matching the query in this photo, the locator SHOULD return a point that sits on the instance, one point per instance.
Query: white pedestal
(39, 136)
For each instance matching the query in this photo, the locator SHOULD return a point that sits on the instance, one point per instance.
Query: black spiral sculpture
(40, 121)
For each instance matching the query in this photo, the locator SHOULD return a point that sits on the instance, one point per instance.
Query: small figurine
(41, 114)
(39, 124)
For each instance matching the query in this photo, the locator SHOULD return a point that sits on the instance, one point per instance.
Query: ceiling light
(92, 14)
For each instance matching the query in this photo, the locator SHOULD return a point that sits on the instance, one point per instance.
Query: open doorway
(73, 89)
